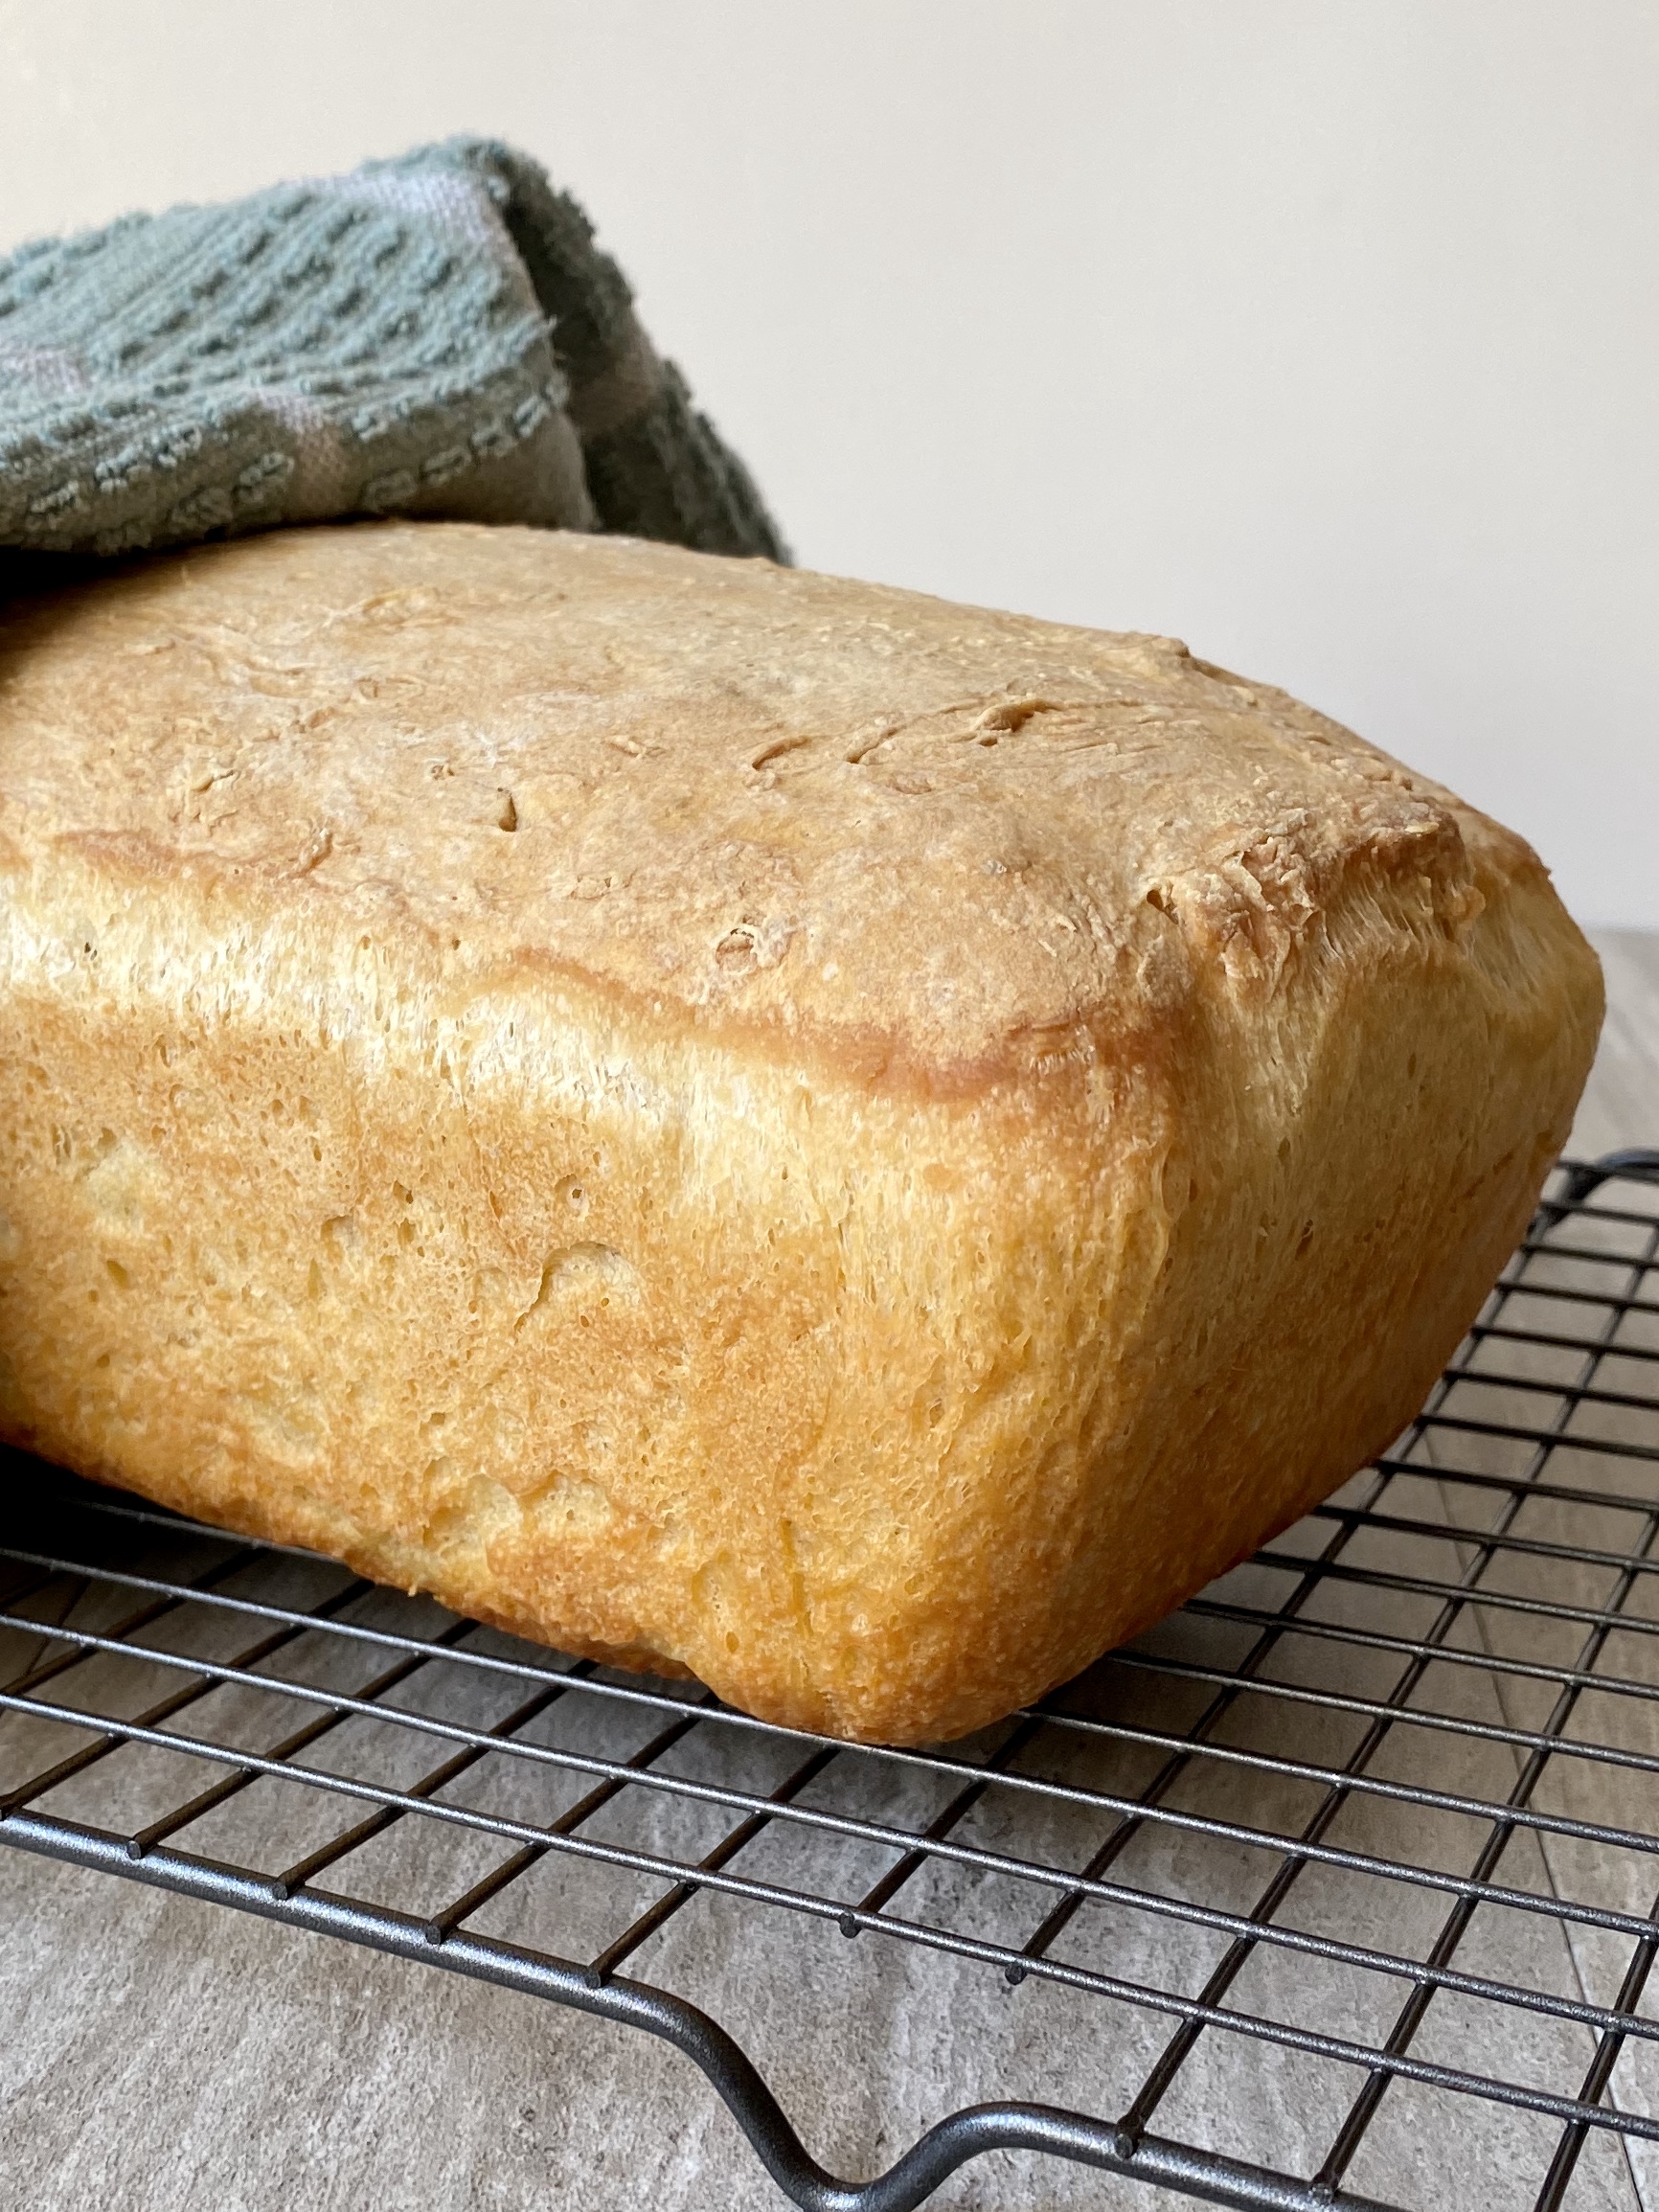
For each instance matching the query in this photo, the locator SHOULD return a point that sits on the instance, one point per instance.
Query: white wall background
(1324, 334)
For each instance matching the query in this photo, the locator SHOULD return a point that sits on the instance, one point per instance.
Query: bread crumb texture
(731, 1120)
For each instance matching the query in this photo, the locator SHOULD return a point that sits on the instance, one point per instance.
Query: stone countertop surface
(159, 2055)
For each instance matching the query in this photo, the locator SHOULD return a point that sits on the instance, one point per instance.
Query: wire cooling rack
(1362, 1840)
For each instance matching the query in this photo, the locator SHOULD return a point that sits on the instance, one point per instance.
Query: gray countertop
(162, 2056)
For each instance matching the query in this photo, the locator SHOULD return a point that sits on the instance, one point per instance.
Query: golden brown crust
(860, 1146)
(923, 839)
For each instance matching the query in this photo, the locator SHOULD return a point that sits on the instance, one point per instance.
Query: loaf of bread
(730, 1120)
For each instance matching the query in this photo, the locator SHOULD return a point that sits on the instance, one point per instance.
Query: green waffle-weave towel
(435, 335)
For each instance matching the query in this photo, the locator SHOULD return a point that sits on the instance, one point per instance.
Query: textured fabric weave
(435, 335)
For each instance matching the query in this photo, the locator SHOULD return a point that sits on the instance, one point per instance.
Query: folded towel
(435, 335)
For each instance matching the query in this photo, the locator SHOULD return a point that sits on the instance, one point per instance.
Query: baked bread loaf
(725, 1119)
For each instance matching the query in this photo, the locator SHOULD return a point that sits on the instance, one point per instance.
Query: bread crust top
(930, 844)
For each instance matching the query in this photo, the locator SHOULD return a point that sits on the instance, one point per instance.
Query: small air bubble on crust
(778, 751)
(735, 950)
(1010, 714)
(341, 1235)
(580, 1280)
(754, 943)
(506, 819)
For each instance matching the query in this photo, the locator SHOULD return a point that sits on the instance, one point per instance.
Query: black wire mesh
(1344, 1873)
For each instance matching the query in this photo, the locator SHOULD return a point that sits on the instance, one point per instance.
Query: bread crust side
(881, 1415)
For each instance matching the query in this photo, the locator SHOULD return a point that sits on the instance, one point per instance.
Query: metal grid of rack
(1344, 1872)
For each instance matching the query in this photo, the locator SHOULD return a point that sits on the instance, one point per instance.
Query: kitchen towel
(435, 335)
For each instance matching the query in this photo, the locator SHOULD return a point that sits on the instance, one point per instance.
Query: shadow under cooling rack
(1338, 1887)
